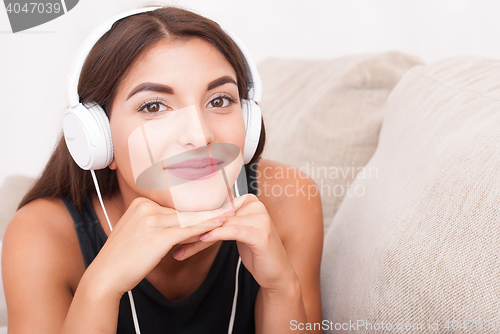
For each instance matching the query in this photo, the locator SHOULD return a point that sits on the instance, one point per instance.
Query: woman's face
(175, 122)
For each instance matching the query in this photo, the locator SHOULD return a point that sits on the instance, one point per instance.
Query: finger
(201, 225)
(235, 204)
(196, 237)
(178, 234)
(249, 204)
(190, 240)
(188, 218)
(227, 209)
(143, 203)
(251, 220)
(245, 234)
(188, 250)
(171, 220)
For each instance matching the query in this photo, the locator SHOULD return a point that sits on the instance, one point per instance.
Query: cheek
(232, 131)
(240, 135)
(120, 134)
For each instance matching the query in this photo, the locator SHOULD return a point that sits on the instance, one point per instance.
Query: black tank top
(207, 310)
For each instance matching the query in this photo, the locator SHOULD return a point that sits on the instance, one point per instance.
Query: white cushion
(423, 242)
(3, 305)
(324, 116)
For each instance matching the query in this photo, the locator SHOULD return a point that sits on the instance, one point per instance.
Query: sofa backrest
(422, 245)
(324, 116)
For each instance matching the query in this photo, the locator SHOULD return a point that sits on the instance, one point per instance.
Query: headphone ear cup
(88, 136)
(253, 125)
(103, 122)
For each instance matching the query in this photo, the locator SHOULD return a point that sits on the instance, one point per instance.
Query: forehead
(190, 62)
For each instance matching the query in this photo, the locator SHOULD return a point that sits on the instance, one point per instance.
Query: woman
(58, 278)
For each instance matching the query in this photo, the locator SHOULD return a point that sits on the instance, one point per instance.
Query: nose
(194, 131)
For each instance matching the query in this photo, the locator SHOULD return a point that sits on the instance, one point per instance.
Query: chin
(200, 195)
(206, 194)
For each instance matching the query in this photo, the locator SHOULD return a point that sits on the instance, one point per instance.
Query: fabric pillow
(324, 116)
(421, 246)
(3, 305)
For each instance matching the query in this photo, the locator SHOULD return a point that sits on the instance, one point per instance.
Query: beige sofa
(420, 249)
(406, 158)
(414, 244)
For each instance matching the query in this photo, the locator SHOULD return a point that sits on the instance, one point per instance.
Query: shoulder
(41, 239)
(41, 266)
(39, 218)
(292, 200)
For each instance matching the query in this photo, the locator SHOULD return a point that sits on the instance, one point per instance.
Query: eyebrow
(221, 81)
(156, 87)
(152, 87)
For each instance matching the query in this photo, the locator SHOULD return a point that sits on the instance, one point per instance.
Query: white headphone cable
(96, 184)
(235, 298)
(131, 298)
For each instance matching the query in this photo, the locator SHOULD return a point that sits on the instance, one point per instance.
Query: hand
(258, 242)
(194, 245)
(140, 239)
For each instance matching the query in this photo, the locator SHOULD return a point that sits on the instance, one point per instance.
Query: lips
(197, 164)
(195, 168)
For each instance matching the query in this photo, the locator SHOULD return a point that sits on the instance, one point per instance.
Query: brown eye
(218, 102)
(153, 107)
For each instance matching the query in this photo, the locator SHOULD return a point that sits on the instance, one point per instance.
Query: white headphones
(86, 126)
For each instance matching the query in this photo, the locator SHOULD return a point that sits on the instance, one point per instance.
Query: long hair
(107, 64)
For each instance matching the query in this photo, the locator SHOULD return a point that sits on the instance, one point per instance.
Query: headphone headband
(254, 82)
(86, 126)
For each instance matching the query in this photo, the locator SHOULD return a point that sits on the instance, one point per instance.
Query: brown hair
(105, 66)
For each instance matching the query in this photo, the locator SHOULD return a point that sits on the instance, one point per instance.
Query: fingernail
(204, 236)
(230, 212)
(220, 219)
(178, 253)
